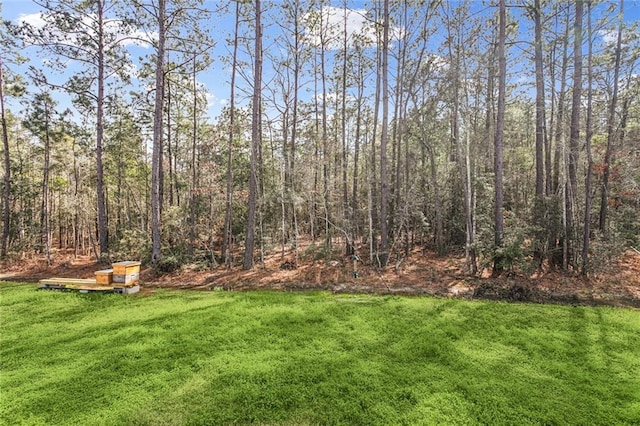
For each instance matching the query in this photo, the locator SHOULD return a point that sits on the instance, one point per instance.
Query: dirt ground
(419, 274)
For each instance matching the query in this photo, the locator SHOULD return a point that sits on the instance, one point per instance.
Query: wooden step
(78, 283)
(69, 281)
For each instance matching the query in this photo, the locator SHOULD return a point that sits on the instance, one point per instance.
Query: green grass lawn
(198, 358)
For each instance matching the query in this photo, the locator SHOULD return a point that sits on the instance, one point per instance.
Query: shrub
(169, 263)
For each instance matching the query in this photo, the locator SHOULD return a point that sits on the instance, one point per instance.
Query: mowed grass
(199, 358)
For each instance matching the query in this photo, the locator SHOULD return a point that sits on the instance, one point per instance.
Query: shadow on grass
(277, 358)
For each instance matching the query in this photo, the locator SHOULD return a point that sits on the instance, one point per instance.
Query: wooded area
(508, 131)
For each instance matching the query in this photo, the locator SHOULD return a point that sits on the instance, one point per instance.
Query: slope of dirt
(419, 274)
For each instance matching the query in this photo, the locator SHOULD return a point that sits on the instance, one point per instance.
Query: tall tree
(384, 136)
(574, 138)
(536, 10)
(227, 238)
(297, 65)
(589, 133)
(256, 122)
(499, 142)
(542, 149)
(193, 193)
(560, 116)
(604, 199)
(349, 249)
(6, 196)
(40, 122)
(82, 32)
(156, 243)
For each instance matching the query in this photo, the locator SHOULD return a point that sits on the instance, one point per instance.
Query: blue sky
(215, 79)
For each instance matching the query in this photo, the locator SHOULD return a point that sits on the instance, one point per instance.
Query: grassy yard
(198, 358)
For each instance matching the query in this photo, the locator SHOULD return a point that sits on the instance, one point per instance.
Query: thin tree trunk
(541, 144)
(120, 209)
(226, 240)
(313, 215)
(284, 176)
(589, 130)
(604, 200)
(6, 212)
(46, 232)
(193, 201)
(559, 138)
(102, 209)
(498, 143)
(294, 135)
(255, 141)
(540, 101)
(343, 122)
(170, 152)
(383, 255)
(76, 200)
(574, 132)
(356, 153)
(373, 181)
(157, 137)
(325, 139)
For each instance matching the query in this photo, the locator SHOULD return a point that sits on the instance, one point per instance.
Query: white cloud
(123, 35)
(328, 23)
(212, 99)
(609, 37)
(630, 35)
(130, 69)
(34, 19)
(139, 38)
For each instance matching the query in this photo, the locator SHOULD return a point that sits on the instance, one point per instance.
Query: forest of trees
(509, 132)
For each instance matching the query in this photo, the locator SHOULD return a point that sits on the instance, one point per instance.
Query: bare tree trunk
(226, 239)
(157, 138)
(284, 176)
(193, 199)
(384, 186)
(102, 209)
(46, 231)
(574, 136)
(437, 202)
(559, 137)
(76, 215)
(6, 212)
(498, 144)
(457, 152)
(255, 141)
(343, 122)
(604, 200)
(120, 208)
(316, 154)
(556, 240)
(589, 130)
(325, 139)
(294, 134)
(170, 152)
(356, 153)
(543, 168)
(540, 100)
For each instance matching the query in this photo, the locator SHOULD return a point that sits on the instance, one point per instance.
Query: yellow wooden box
(104, 277)
(127, 273)
(126, 268)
